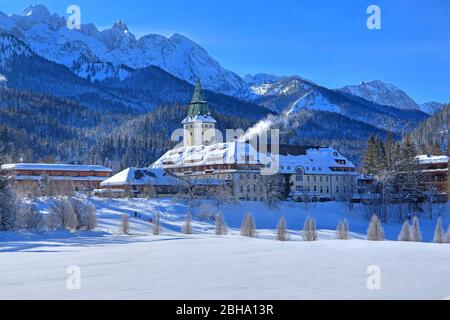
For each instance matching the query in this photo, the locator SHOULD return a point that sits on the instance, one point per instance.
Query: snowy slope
(98, 55)
(231, 267)
(313, 100)
(383, 94)
(432, 107)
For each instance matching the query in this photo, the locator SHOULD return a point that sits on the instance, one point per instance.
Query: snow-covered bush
(157, 225)
(125, 225)
(62, 215)
(405, 233)
(439, 236)
(29, 218)
(309, 230)
(416, 234)
(81, 212)
(248, 227)
(375, 231)
(282, 230)
(187, 225)
(221, 227)
(342, 231)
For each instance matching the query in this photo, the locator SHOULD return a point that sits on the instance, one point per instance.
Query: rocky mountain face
(108, 54)
(383, 94)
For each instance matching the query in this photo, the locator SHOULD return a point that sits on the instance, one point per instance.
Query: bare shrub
(157, 225)
(91, 218)
(125, 224)
(187, 225)
(62, 215)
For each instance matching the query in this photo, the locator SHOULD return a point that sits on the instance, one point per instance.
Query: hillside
(435, 130)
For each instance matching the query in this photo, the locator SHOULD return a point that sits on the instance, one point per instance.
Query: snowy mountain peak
(382, 93)
(121, 26)
(48, 37)
(37, 11)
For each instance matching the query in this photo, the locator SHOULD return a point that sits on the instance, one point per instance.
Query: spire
(199, 106)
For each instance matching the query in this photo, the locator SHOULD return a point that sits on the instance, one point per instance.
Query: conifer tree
(221, 228)
(342, 231)
(375, 231)
(416, 234)
(439, 236)
(282, 230)
(248, 227)
(374, 157)
(405, 233)
(309, 230)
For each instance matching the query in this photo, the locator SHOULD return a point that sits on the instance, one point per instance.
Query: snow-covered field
(203, 266)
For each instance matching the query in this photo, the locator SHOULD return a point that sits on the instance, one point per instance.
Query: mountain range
(113, 71)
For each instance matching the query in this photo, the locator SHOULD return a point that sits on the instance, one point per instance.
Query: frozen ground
(202, 266)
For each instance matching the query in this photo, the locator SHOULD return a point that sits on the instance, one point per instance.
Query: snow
(314, 161)
(427, 159)
(135, 176)
(203, 266)
(313, 100)
(48, 36)
(431, 107)
(202, 119)
(54, 167)
(382, 93)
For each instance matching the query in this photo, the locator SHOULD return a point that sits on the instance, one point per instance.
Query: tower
(199, 126)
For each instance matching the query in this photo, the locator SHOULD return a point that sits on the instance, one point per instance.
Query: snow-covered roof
(312, 160)
(54, 167)
(199, 118)
(141, 177)
(152, 176)
(426, 159)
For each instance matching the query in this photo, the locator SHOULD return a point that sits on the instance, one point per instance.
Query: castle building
(303, 173)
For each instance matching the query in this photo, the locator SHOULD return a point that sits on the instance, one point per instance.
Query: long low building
(31, 176)
(156, 182)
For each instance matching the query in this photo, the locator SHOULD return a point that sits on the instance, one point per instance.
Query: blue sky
(326, 41)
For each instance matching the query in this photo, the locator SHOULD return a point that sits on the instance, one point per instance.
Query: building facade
(30, 177)
(303, 173)
(435, 173)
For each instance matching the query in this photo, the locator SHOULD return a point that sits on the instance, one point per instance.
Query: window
(299, 188)
(299, 174)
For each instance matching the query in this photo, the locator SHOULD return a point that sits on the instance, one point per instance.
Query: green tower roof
(199, 106)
